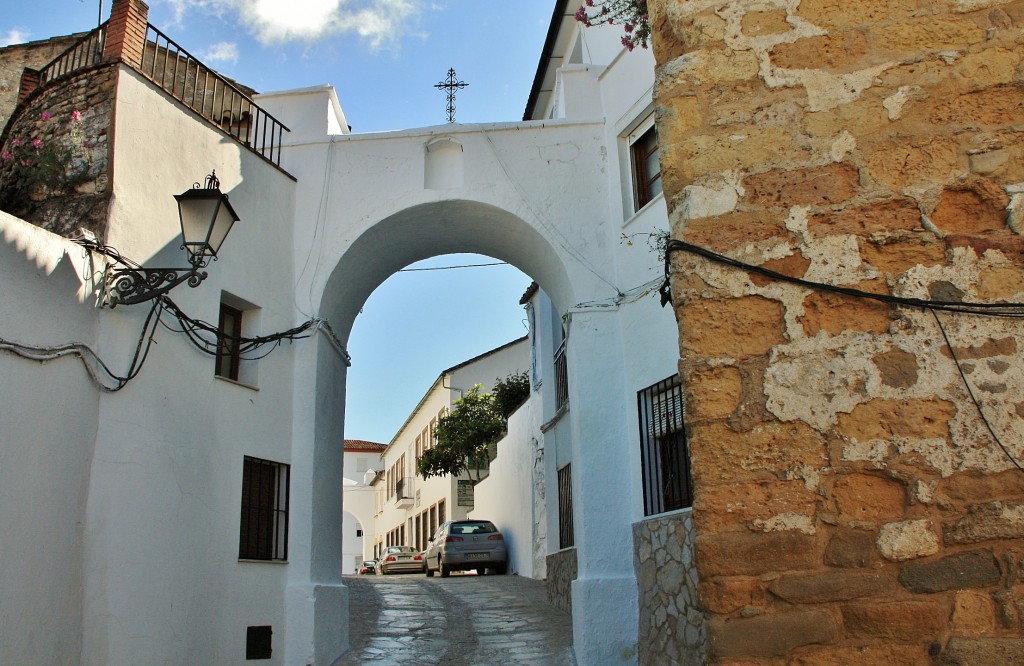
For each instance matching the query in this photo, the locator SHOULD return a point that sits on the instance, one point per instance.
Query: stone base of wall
(561, 574)
(671, 628)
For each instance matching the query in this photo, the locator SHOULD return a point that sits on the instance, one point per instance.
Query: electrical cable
(1006, 310)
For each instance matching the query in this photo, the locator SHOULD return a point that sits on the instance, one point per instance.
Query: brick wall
(850, 504)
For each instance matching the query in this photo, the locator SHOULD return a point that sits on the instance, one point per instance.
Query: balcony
(405, 494)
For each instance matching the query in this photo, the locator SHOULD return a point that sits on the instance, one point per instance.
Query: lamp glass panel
(221, 226)
(196, 216)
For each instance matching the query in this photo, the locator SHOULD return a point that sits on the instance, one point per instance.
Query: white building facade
(123, 498)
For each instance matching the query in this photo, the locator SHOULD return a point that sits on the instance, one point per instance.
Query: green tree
(463, 436)
(511, 392)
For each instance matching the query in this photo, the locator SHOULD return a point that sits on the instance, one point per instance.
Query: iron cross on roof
(451, 85)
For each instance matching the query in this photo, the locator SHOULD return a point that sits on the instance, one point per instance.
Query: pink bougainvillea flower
(7, 156)
(16, 142)
(37, 143)
(76, 116)
(45, 115)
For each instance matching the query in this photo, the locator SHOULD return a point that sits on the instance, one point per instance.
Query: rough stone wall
(14, 59)
(92, 94)
(851, 505)
(671, 631)
(561, 568)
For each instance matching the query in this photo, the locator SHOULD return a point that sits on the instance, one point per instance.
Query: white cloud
(221, 52)
(380, 22)
(14, 36)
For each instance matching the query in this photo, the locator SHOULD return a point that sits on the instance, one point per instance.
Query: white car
(397, 559)
(462, 545)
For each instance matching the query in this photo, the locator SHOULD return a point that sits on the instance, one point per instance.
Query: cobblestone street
(464, 620)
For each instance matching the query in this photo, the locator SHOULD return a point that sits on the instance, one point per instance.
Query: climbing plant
(630, 14)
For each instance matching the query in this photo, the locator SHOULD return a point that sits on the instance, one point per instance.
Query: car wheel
(501, 569)
(481, 571)
(427, 570)
(445, 571)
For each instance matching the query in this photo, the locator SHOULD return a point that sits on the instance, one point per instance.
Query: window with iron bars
(264, 524)
(664, 455)
(565, 526)
(561, 377)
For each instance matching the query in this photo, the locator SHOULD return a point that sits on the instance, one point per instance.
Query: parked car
(396, 559)
(462, 545)
(368, 567)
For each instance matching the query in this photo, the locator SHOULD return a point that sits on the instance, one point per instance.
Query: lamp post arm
(127, 286)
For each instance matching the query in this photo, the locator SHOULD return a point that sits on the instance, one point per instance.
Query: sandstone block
(836, 313)
(993, 106)
(977, 568)
(752, 554)
(917, 621)
(974, 613)
(982, 488)
(844, 52)
(837, 14)
(829, 585)
(976, 651)
(818, 186)
(851, 548)
(768, 452)
(769, 635)
(727, 595)
(995, 520)
(716, 392)
(713, 152)
(736, 328)
(969, 212)
(725, 232)
(996, 284)
(731, 504)
(901, 165)
(757, 24)
(836, 655)
(929, 34)
(866, 498)
(898, 256)
(883, 418)
(886, 217)
(907, 540)
(793, 265)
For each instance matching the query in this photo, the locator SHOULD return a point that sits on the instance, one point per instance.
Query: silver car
(461, 545)
(398, 559)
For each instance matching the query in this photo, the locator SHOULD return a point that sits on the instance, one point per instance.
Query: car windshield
(473, 528)
(401, 549)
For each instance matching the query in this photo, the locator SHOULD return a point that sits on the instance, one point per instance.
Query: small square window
(646, 168)
(229, 333)
(264, 523)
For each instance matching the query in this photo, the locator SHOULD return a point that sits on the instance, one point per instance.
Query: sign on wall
(465, 493)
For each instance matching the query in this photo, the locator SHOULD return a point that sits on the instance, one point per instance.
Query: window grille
(565, 526)
(664, 455)
(264, 524)
(561, 377)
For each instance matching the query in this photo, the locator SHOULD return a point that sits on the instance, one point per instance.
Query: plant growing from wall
(465, 438)
(630, 14)
(52, 161)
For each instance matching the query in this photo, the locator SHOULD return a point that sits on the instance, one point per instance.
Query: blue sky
(383, 57)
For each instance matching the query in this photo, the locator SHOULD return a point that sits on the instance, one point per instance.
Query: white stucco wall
(48, 422)
(508, 497)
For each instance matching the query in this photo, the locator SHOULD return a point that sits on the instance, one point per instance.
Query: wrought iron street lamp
(206, 218)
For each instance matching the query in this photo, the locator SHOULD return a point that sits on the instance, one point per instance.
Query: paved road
(464, 620)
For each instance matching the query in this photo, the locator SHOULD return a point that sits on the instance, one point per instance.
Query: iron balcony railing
(211, 95)
(84, 53)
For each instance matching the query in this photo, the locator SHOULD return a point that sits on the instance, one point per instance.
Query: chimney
(126, 32)
(29, 82)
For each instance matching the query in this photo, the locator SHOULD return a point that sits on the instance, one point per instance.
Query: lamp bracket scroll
(206, 217)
